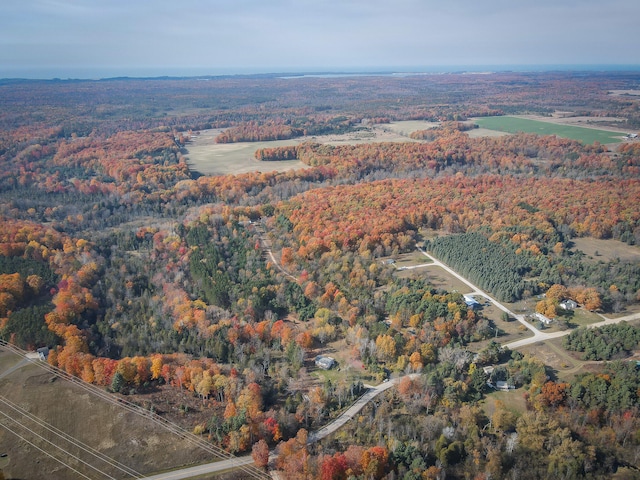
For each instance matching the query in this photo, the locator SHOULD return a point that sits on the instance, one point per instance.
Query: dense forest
(144, 276)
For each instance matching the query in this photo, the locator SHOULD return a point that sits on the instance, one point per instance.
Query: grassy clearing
(581, 317)
(410, 259)
(513, 401)
(606, 250)
(516, 124)
(210, 158)
(436, 276)
(408, 126)
(207, 157)
(556, 358)
(348, 369)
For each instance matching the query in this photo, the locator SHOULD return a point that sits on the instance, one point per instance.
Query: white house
(568, 304)
(542, 318)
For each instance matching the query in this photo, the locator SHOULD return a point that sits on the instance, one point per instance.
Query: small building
(471, 302)
(325, 363)
(504, 386)
(43, 353)
(488, 370)
(568, 304)
(40, 354)
(542, 318)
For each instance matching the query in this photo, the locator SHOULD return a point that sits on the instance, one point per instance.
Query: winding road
(374, 391)
(313, 437)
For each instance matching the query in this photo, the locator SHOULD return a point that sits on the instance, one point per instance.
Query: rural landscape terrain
(321, 277)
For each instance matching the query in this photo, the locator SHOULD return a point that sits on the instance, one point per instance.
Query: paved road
(313, 437)
(548, 336)
(204, 469)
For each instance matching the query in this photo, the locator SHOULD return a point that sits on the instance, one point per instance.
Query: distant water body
(283, 72)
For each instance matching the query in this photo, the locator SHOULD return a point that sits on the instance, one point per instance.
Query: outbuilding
(325, 363)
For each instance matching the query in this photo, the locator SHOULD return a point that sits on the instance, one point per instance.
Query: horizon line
(148, 73)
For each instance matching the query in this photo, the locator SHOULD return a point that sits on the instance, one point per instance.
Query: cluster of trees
(576, 429)
(603, 343)
(451, 151)
(549, 306)
(395, 209)
(492, 266)
(255, 131)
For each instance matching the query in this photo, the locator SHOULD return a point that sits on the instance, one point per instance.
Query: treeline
(431, 134)
(604, 343)
(284, 130)
(492, 266)
(253, 132)
(452, 151)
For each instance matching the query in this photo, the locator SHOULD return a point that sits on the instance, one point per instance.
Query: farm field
(485, 132)
(518, 124)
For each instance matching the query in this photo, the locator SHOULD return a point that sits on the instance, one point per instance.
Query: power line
(43, 451)
(72, 440)
(53, 445)
(136, 409)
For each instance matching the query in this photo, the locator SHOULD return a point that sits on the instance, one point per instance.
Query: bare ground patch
(485, 132)
(404, 260)
(438, 277)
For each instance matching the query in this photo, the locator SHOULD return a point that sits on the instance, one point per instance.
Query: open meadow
(606, 250)
(207, 157)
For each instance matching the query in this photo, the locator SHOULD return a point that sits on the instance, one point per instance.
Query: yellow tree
(203, 388)
(557, 293)
(386, 348)
(156, 367)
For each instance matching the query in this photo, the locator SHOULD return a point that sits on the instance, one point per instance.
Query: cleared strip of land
(517, 124)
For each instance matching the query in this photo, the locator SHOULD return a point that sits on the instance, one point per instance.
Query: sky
(98, 38)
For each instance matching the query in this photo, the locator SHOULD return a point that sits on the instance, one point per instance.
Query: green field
(516, 125)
